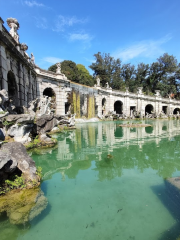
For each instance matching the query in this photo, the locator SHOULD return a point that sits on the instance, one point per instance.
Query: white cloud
(52, 60)
(148, 49)
(41, 22)
(79, 36)
(33, 3)
(63, 22)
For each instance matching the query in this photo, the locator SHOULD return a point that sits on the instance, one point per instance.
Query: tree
(128, 75)
(76, 73)
(84, 76)
(107, 69)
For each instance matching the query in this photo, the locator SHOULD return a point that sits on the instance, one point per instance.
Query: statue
(14, 25)
(98, 82)
(24, 48)
(32, 59)
(107, 85)
(58, 70)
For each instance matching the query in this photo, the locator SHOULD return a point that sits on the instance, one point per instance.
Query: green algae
(19, 204)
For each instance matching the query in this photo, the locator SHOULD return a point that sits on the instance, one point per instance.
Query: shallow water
(107, 182)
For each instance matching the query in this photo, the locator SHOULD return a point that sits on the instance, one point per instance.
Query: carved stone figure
(32, 59)
(107, 85)
(14, 25)
(98, 82)
(24, 48)
(140, 90)
(58, 70)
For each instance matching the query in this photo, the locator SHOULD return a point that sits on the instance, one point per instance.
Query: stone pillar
(60, 101)
(3, 68)
(126, 109)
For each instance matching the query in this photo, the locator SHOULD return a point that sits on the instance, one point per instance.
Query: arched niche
(103, 105)
(12, 88)
(149, 109)
(49, 92)
(118, 107)
(176, 110)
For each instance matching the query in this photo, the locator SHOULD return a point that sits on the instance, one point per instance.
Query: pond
(106, 182)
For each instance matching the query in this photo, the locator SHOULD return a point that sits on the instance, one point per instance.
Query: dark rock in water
(14, 156)
(2, 136)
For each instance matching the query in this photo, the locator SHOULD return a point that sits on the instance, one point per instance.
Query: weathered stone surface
(13, 155)
(20, 118)
(20, 132)
(46, 123)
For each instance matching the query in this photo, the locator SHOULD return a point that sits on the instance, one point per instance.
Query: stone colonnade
(17, 74)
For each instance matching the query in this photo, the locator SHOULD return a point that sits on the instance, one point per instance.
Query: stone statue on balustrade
(14, 25)
(32, 59)
(98, 82)
(58, 69)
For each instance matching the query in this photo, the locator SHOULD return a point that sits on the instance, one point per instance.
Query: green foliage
(39, 172)
(163, 75)
(76, 73)
(2, 112)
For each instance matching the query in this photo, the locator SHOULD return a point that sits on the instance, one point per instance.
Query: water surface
(106, 182)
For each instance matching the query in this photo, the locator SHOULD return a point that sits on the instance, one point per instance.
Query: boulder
(20, 132)
(45, 123)
(14, 156)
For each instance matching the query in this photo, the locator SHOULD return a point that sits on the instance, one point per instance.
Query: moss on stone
(91, 107)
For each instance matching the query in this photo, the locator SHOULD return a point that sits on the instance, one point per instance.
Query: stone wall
(24, 81)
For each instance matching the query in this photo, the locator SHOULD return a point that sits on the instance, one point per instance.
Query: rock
(46, 123)
(2, 135)
(20, 118)
(13, 155)
(22, 206)
(20, 132)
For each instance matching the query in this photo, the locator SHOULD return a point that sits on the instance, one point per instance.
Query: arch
(103, 105)
(50, 93)
(118, 107)
(12, 88)
(148, 109)
(176, 110)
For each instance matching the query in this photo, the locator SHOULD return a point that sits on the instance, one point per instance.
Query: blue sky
(133, 30)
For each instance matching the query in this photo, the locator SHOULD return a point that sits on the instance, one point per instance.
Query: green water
(107, 182)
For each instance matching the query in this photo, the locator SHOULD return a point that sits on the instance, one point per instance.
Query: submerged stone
(22, 206)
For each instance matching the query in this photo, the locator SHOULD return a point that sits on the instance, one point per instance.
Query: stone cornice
(11, 46)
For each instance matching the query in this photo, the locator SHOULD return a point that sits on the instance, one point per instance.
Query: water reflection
(155, 147)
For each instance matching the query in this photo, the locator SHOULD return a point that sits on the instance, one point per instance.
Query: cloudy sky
(133, 30)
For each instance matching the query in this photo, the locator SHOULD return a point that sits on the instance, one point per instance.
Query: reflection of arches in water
(164, 109)
(176, 110)
(118, 132)
(50, 93)
(149, 130)
(164, 128)
(118, 107)
(149, 108)
(12, 88)
(103, 105)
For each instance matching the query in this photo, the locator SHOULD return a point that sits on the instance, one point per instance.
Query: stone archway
(148, 109)
(103, 106)
(49, 92)
(176, 110)
(118, 107)
(12, 88)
